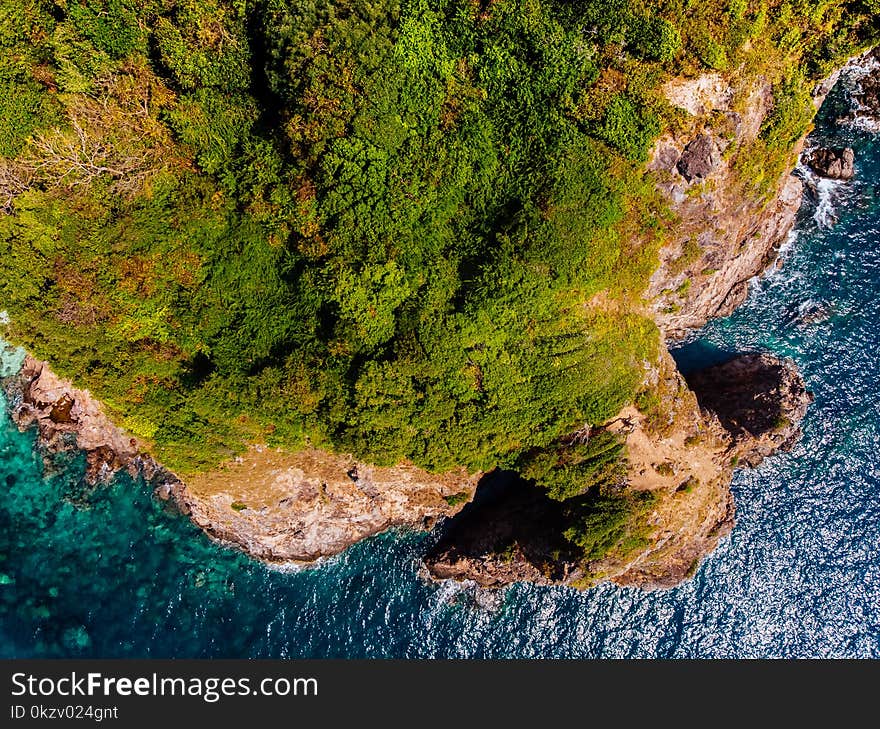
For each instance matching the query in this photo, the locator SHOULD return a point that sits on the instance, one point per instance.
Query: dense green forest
(408, 229)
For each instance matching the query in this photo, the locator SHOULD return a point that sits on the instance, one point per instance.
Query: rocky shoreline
(742, 411)
(293, 508)
(67, 418)
(278, 507)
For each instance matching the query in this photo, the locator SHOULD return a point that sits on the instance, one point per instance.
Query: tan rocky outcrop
(276, 506)
(683, 452)
(298, 507)
(67, 418)
(739, 413)
(726, 234)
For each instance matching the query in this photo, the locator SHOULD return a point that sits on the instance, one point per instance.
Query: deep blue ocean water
(111, 572)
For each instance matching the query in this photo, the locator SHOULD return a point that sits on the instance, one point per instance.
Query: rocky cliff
(735, 413)
(683, 452)
(278, 507)
(297, 507)
(67, 418)
(729, 230)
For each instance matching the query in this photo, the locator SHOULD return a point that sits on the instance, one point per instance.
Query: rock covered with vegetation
(651, 524)
(417, 232)
(758, 398)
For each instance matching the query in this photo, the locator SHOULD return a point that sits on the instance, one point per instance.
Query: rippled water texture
(108, 572)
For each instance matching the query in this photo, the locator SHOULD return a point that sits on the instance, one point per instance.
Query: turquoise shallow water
(110, 572)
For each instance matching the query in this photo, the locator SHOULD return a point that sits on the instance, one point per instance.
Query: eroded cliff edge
(683, 446)
(733, 414)
(278, 507)
(297, 507)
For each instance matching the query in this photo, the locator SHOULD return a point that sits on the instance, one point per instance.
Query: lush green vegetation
(372, 226)
(571, 469)
(609, 520)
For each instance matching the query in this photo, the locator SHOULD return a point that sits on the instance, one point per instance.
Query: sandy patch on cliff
(701, 95)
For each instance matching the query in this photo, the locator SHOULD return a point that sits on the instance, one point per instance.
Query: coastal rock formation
(726, 233)
(742, 411)
(297, 507)
(284, 507)
(758, 399)
(67, 418)
(278, 507)
(699, 159)
(834, 164)
(514, 537)
(867, 95)
(675, 452)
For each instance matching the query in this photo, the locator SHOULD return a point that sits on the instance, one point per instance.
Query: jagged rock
(298, 507)
(739, 412)
(699, 158)
(868, 95)
(304, 505)
(740, 235)
(67, 418)
(834, 164)
(814, 313)
(101, 462)
(514, 536)
(758, 398)
(60, 410)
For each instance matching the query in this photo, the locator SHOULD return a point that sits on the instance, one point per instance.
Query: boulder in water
(834, 164)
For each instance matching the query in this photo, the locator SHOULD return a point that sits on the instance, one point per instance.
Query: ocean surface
(111, 572)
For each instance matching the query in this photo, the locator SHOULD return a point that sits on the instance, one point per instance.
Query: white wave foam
(295, 567)
(864, 118)
(825, 192)
(826, 215)
(468, 592)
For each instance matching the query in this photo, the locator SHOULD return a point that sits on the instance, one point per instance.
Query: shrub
(111, 25)
(609, 521)
(712, 54)
(629, 127)
(654, 39)
(567, 471)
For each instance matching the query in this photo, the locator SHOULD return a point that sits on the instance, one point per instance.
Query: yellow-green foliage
(610, 521)
(376, 226)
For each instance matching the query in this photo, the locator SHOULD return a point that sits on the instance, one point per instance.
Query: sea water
(110, 571)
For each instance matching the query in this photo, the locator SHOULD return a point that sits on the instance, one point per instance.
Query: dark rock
(60, 410)
(513, 536)
(99, 461)
(868, 95)
(665, 158)
(758, 398)
(699, 159)
(813, 313)
(834, 164)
